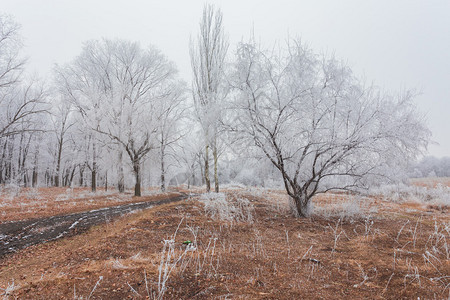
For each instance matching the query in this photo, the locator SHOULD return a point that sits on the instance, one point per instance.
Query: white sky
(397, 44)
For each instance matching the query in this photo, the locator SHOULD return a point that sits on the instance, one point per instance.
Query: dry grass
(385, 251)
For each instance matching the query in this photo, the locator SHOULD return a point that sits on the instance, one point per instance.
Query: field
(242, 244)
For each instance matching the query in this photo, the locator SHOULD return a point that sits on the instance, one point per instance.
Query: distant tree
(191, 154)
(170, 111)
(318, 125)
(431, 166)
(62, 121)
(207, 59)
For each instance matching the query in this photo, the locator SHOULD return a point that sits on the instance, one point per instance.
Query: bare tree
(318, 125)
(207, 60)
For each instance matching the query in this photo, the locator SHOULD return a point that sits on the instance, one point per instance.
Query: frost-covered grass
(437, 196)
(227, 207)
(345, 208)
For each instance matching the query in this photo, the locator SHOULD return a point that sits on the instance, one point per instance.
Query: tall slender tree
(208, 54)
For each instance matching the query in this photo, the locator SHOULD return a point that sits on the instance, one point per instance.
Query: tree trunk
(3, 162)
(47, 179)
(9, 168)
(94, 168)
(216, 176)
(207, 180)
(66, 177)
(56, 179)
(301, 206)
(163, 171)
(106, 181)
(94, 180)
(137, 174)
(202, 177)
(58, 161)
(25, 178)
(19, 159)
(25, 151)
(34, 176)
(72, 175)
(81, 170)
(121, 180)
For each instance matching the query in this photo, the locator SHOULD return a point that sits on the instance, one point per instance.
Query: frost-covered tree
(22, 107)
(20, 99)
(208, 87)
(170, 111)
(431, 165)
(22, 116)
(191, 153)
(118, 87)
(82, 85)
(318, 124)
(11, 64)
(62, 121)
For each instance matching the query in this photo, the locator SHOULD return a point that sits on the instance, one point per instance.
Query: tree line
(119, 114)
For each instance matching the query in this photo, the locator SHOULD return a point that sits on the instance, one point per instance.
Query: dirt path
(21, 234)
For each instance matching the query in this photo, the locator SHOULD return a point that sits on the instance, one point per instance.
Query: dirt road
(21, 234)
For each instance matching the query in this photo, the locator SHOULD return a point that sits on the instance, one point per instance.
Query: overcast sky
(396, 44)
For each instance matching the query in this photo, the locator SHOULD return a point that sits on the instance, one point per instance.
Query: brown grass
(276, 257)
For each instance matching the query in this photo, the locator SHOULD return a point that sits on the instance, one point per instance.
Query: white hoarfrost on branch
(23, 109)
(318, 124)
(119, 88)
(209, 87)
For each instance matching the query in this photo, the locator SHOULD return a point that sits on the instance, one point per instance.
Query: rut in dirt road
(21, 234)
